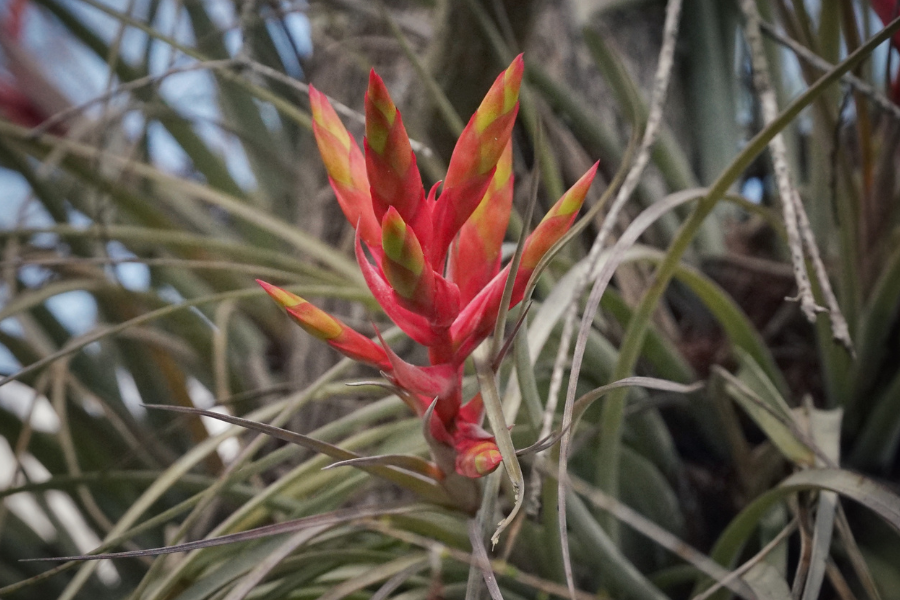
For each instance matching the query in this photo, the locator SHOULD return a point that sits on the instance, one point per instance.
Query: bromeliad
(435, 258)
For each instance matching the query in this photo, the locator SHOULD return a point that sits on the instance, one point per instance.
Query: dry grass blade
(230, 204)
(443, 104)
(549, 409)
(856, 557)
(413, 464)
(825, 429)
(651, 130)
(786, 190)
(219, 265)
(650, 383)
(78, 343)
(493, 407)
(338, 106)
(136, 84)
(425, 486)
(489, 498)
(317, 521)
(541, 445)
(374, 575)
(395, 582)
(800, 437)
(511, 338)
(175, 238)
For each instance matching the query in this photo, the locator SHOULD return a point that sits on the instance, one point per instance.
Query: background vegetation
(143, 210)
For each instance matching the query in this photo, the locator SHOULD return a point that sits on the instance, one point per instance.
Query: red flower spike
(476, 154)
(323, 326)
(475, 257)
(391, 164)
(346, 168)
(409, 235)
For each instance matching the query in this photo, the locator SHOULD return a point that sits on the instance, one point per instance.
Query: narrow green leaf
(825, 427)
(780, 428)
(604, 555)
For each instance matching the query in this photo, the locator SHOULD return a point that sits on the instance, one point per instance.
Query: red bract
(887, 11)
(26, 97)
(19, 108)
(433, 261)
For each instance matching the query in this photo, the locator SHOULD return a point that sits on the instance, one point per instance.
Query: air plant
(433, 260)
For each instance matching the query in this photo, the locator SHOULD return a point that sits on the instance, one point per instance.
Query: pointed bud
(552, 227)
(476, 321)
(417, 287)
(404, 262)
(323, 326)
(475, 257)
(346, 167)
(484, 138)
(414, 325)
(391, 164)
(475, 157)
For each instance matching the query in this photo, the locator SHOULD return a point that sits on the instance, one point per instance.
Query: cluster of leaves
(732, 485)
